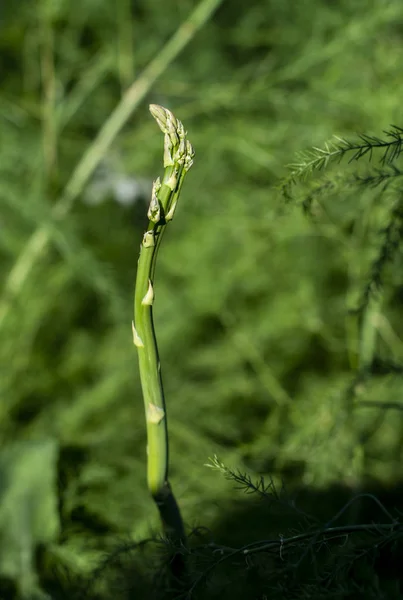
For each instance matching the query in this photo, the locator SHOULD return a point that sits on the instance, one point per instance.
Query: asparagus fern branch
(318, 158)
(178, 158)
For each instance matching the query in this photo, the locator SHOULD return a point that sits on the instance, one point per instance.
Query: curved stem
(178, 155)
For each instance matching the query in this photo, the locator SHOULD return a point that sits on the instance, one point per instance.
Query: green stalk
(178, 158)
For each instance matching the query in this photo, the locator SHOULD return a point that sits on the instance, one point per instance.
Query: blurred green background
(252, 296)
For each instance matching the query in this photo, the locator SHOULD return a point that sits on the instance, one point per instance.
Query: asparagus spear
(178, 158)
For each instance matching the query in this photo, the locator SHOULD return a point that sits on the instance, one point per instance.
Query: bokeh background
(257, 344)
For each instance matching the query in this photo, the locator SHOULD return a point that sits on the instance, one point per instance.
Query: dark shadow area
(301, 543)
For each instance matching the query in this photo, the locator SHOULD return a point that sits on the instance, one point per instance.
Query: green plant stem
(178, 155)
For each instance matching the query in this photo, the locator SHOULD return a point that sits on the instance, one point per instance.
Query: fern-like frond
(244, 481)
(317, 159)
(389, 174)
(259, 486)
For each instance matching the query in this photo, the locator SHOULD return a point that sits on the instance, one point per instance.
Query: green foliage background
(251, 312)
